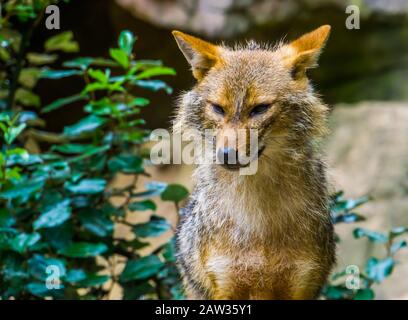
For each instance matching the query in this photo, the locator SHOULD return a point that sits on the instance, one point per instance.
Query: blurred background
(362, 75)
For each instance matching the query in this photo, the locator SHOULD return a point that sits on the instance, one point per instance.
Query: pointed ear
(201, 55)
(303, 53)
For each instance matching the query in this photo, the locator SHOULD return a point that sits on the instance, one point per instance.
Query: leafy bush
(57, 220)
(57, 217)
(351, 283)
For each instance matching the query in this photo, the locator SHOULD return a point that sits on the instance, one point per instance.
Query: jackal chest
(258, 268)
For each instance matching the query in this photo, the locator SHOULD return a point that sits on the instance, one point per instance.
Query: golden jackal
(267, 235)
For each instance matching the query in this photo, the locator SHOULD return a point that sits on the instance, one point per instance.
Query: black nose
(227, 156)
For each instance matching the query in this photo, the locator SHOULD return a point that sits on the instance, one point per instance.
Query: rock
(368, 155)
(230, 17)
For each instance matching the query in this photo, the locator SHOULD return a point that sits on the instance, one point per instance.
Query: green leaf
(84, 63)
(63, 42)
(341, 205)
(169, 250)
(85, 125)
(398, 246)
(142, 205)
(27, 98)
(24, 241)
(4, 54)
(75, 275)
(29, 77)
(41, 58)
(126, 164)
(348, 218)
(13, 174)
(87, 186)
(22, 190)
(132, 245)
(99, 75)
(22, 160)
(39, 264)
(153, 85)
(95, 86)
(83, 250)
(93, 280)
(73, 148)
(59, 74)
(58, 170)
(95, 222)
(155, 71)
(120, 56)
(13, 268)
(55, 215)
(141, 268)
(140, 102)
(135, 290)
(59, 237)
(126, 41)
(371, 235)
(153, 188)
(336, 292)
(18, 152)
(364, 294)
(13, 132)
(378, 270)
(174, 192)
(155, 227)
(6, 219)
(90, 153)
(40, 290)
(397, 231)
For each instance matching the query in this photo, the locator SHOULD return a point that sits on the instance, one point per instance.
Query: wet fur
(268, 235)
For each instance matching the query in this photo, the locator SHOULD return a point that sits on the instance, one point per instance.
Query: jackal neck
(284, 197)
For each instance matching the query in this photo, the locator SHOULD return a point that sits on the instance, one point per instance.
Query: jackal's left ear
(201, 55)
(304, 52)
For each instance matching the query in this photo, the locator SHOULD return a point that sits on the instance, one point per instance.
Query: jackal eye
(259, 109)
(218, 109)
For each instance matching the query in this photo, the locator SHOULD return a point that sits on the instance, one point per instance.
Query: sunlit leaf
(142, 268)
(38, 266)
(142, 205)
(41, 58)
(24, 241)
(54, 215)
(83, 250)
(85, 125)
(378, 270)
(174, 192)
(126, 163)
(395, 247)
(99, 75)
(27, 98)
(29, 77)
(154, 85)
(87, 186)
(63, 102)
(126, 41)
(155, 227)
(155, 71)
(96, 222)
(63, 42)
(371, 235)
(364, 294)
(120, 56)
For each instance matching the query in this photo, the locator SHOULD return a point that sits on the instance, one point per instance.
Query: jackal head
(254, 87)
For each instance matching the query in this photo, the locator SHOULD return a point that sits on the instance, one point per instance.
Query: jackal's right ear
(304, 52)
(201, 55)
